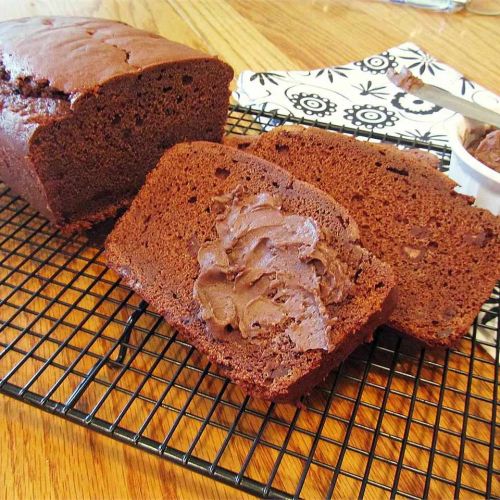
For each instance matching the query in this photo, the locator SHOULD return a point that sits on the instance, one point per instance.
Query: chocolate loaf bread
(87, 107)
(445, 253)
(176, 219)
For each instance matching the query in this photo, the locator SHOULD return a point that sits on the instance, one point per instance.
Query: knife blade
(415, 86)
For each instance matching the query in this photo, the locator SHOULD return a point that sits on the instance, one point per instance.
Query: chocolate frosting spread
(405, 79)
(486, 149)
(268, 273)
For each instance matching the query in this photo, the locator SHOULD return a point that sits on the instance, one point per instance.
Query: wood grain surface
(46, 457)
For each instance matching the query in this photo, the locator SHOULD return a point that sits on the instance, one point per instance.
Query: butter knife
(415, 86)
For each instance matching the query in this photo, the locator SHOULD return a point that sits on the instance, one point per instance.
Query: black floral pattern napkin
(359, 94)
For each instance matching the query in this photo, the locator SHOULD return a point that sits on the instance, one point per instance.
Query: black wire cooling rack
(395, 419)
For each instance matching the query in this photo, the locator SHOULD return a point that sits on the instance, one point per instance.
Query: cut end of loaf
(78, 143)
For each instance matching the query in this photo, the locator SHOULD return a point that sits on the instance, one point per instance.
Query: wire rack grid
(393, 420)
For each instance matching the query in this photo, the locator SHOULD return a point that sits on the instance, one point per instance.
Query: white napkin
(359, 95)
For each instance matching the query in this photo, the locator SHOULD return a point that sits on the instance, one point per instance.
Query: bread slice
(445, 253)
(154, 248)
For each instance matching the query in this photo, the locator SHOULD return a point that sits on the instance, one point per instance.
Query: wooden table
(44, 457)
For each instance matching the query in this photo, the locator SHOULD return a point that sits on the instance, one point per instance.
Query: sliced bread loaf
(155, 247)
(445, 253)
(87, 107)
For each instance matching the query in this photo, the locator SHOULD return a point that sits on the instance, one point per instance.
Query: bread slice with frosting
(261, 272)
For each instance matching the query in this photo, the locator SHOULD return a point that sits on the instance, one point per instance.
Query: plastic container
(473, 177)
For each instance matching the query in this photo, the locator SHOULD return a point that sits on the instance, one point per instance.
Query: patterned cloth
(359, 94)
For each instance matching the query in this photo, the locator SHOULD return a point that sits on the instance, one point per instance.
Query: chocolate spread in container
(268, 273)
(485, 147)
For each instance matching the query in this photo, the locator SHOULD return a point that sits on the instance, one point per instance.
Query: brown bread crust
(87, 107)
(154, 246)
(445, 253)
